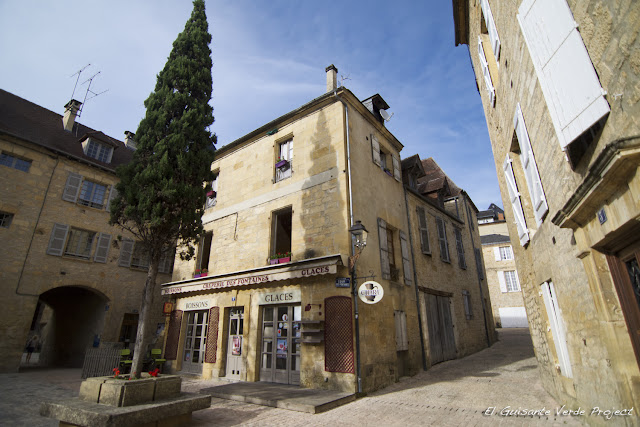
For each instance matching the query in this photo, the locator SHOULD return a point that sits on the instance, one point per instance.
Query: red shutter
(212, 335)
(173, 335)
(338, 335)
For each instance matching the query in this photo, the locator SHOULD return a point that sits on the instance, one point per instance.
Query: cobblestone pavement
(452, 393)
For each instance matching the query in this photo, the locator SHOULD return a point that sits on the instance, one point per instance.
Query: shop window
(5, 219)
(14, 162)
(424, 231)
(442, 239)
(402, 340)
(284, 160)
(462, 262)
(281, 231)
(466, 299)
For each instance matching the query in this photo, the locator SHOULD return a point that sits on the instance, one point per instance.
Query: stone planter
(119, 392)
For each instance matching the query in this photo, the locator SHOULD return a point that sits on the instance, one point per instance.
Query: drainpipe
(351, 222)
(415, 281)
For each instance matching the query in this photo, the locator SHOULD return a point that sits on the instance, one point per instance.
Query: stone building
(502, 275)
(559, 87)
(276, 302)
(67, 275)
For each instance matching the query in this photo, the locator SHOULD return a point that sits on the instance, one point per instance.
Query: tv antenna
(86, 94)
(343, 78)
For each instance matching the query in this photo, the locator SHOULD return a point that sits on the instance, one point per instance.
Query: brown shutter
(212, 335)
(338, 335)
(173, 335)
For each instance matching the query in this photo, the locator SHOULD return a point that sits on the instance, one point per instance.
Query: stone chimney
(129, 142)
(71, 111)
(332, 78)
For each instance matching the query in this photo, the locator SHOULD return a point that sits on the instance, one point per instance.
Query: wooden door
(235, 344)
(442, 345)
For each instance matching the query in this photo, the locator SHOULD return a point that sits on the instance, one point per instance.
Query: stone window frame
(73, 190)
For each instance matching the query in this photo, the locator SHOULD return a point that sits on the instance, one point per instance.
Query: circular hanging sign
(370, 292)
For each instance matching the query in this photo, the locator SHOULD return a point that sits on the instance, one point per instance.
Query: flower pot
(283, 260)
(281, 163)
(273, 261)
(388, 172)
(196, 275)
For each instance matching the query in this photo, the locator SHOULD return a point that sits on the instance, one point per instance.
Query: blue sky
(268, 59)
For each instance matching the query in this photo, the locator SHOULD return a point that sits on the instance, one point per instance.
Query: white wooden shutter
(57, 240)
(397, 172)
(557, 327)
(102, 249)
(517, 279)
(112, 194)
(491, 28)
(568, 80)
(406, 259)
(466, 298)
(530, 168)
(485, 72)
(375, 150)
(514, 197)
(424, 231)
(502, 281)
(72, 187)
(126, 252)
(442, 237)
(496, 253)
(384, 251)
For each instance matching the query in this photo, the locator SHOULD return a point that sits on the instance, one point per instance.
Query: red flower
(116, 372)
(154, 373)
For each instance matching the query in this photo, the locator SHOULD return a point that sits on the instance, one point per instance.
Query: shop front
(261, 325)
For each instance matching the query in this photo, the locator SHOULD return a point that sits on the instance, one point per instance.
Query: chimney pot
(332, 78)
(129, 140)
(71, 109)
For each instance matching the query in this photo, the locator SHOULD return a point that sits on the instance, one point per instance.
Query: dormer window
(97, 150)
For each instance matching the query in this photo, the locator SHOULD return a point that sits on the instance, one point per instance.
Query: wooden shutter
(514, 197)
(491, 28)
(484, 65)
(338, 335)
(466, 298)
(173, 335)
(211, 351)
(57, 240)
(462, 262)
(112, 194)
(72, 187)
(397, 172)
(557, 327)
(402, 342)
(384, 250)
(479, 266)
(126, 252)
(442, 237)
(375, 151)
(102, 248)
(424, 231)
(568, 80)
(406, 259)
(502, 281)
(530, 168)
(496, 253)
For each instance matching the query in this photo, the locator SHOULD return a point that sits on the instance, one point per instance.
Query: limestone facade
(577, 181)
(342, 165)
(60, 273)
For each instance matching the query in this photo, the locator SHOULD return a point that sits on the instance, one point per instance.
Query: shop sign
(370, 292)
(250, 280)
(196, 305)
(343, 282)
(280, 297)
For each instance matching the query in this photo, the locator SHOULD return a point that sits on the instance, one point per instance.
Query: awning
(256, 276)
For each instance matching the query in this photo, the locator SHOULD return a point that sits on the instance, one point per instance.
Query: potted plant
(280, 258)
(204, 272)
(197, 273)
(388, 172)
(281, 162)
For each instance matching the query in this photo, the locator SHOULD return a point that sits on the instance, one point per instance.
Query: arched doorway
(70, 321)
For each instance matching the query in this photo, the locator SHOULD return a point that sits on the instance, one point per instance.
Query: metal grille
(173, 335)
(338, 335)
(100, 362)
(212, 335)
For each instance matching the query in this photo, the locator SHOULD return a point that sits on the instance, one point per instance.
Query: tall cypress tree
(162, 192)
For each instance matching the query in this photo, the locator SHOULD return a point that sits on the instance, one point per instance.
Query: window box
(200, 273)
(279, 259)
(211, 194)
(282, 163)
(388, 172)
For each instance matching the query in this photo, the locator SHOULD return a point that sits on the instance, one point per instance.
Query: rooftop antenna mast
(343, 78)
(89, 80)
(78, 78)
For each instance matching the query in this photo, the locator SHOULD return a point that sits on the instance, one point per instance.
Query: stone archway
(75, 318)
